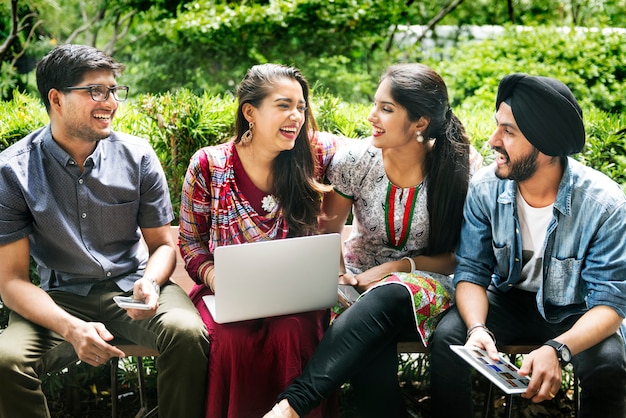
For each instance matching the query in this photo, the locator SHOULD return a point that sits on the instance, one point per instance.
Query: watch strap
(558, 347)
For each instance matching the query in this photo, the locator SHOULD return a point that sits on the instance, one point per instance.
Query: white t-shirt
(534, 225)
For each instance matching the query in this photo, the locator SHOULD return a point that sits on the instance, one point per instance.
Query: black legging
(360, 346)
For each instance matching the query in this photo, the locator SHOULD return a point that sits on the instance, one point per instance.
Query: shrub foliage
(590, 62)
(180, 121)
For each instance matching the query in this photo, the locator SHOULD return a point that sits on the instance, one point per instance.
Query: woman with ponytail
(405, 186)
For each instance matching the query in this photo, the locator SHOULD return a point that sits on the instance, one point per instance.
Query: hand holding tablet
(502, 372)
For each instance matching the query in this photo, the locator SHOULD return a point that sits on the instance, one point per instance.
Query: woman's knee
(391, 298)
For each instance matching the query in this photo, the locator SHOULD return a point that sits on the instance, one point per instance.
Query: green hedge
(177, 124)
(591, 62)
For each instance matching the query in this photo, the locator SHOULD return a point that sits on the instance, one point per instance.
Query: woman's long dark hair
(422, 92)
(294, 171)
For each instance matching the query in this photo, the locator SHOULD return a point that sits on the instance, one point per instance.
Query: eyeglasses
(100, 92)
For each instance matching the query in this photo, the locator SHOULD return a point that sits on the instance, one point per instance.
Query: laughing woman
(262, 185)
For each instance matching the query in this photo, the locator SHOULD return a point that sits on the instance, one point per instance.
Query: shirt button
(108, 274)
(83, 215)
(517, 260)
(80, 181)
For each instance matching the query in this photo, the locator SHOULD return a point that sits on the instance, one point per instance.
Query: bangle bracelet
(203, 271)
(208, 281)
(478, 326)
(410, 261)
(474, 326)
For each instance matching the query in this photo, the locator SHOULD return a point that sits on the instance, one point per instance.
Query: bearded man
(541, 259)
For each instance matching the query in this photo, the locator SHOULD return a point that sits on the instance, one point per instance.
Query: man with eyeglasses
(100, 92)
(77, 197)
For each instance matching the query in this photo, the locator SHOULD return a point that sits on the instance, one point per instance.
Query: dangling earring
(419, 138)
(246, 138)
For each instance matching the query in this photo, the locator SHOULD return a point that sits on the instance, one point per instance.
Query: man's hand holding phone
(144, 302)
(127, 302)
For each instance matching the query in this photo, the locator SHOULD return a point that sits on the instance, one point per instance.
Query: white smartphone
(127, 302)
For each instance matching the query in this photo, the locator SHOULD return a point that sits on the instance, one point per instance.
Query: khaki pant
(28, 351)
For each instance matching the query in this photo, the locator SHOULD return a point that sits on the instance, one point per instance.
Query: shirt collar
(563, 202)
(64, 158)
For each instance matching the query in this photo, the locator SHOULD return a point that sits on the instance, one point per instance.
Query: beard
(519, 170)
(77, 125)
(88, 134)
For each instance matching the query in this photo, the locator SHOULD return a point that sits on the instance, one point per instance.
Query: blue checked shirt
(83, 227)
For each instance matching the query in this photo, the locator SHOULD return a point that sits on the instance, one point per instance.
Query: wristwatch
(562, 351)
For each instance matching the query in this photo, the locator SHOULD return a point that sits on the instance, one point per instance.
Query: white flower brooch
(269, 203)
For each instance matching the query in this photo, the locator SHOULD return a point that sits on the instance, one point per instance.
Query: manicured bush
(177, 124)
(605, 149)
(19, 117)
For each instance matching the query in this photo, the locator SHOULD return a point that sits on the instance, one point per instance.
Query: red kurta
(252, 362)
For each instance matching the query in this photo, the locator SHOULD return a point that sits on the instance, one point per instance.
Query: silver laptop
(270, 278)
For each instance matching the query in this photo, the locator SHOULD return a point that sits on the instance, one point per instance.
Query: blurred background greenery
(185, 58)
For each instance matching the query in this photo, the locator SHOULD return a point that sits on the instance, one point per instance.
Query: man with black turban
(541, 260)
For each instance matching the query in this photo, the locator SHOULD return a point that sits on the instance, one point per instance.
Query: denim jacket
(584, 254)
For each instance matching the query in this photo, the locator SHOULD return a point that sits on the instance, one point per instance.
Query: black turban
(545, 111)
